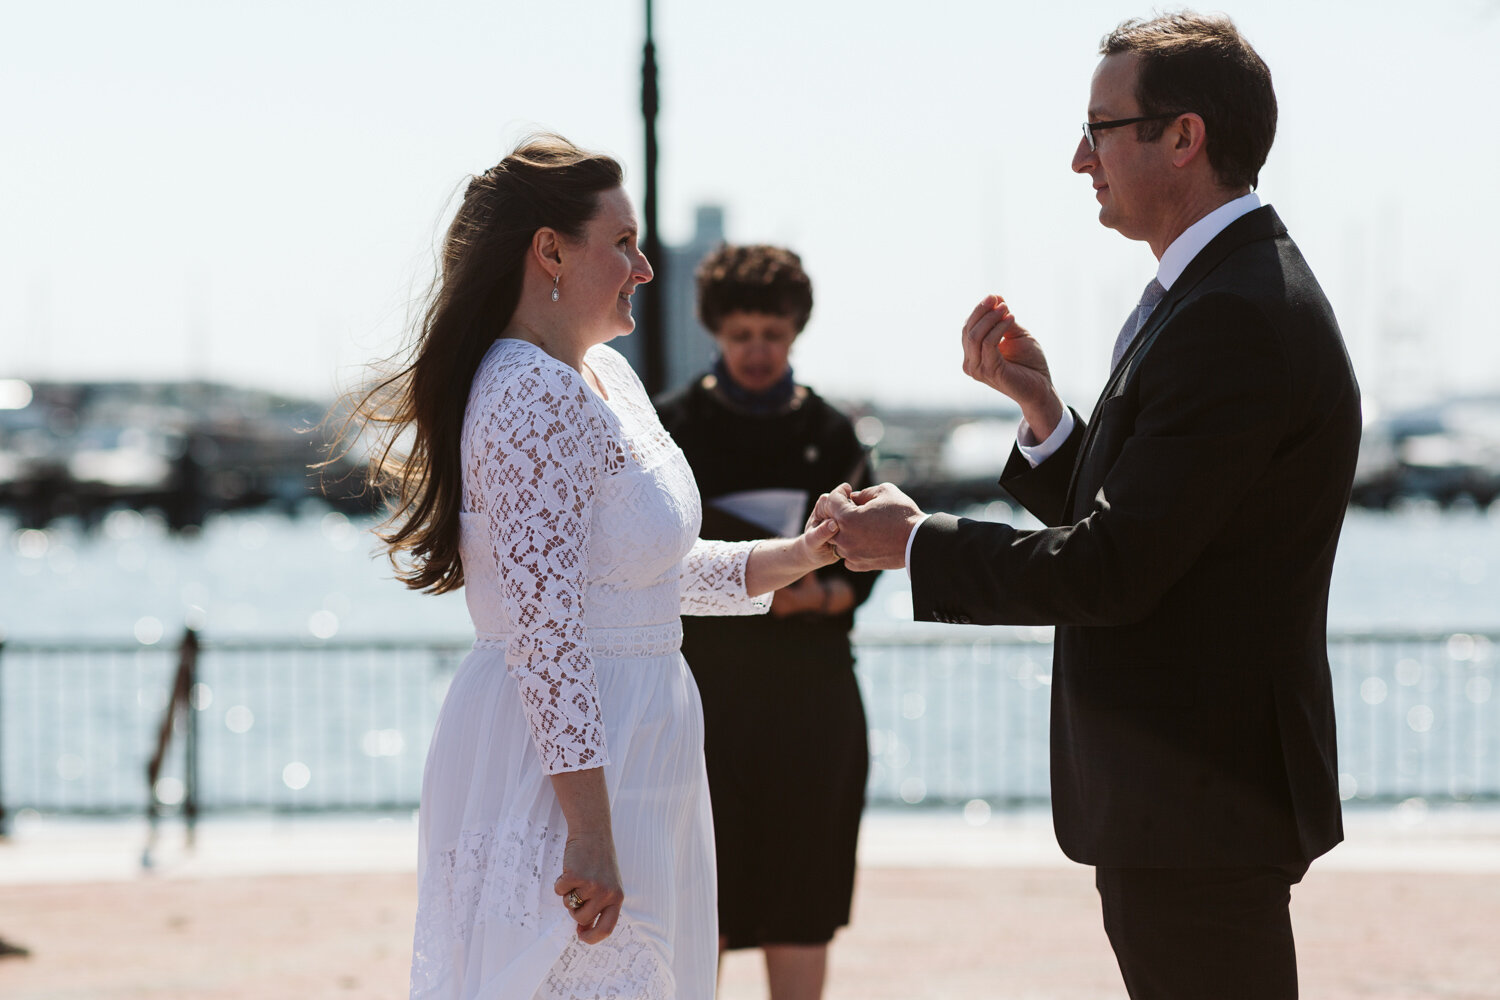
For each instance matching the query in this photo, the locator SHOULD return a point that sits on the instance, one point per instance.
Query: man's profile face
(1127, 174)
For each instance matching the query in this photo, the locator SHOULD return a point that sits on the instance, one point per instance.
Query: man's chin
(1109, 220)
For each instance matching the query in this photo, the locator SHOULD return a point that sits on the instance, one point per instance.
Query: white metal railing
(954, 715)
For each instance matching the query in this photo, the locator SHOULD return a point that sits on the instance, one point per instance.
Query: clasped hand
(873, 524)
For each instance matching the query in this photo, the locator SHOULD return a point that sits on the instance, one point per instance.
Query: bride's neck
(557, 337)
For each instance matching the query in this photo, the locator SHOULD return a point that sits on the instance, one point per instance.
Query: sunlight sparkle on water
(148, 630)
(1408, 673)
(976, 812)
(323, 624)
(122, 524)
(170, 791)
(1411, 812)
(296, 775)
(340, 532)
(32, 543)
(239, 719)
(1464, 647)
(14, 394)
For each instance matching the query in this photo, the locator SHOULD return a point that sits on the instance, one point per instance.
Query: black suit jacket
(1191, 531)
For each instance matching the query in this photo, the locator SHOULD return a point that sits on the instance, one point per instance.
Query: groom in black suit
(1191, 527)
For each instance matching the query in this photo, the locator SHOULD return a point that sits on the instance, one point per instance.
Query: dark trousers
(1202, 933)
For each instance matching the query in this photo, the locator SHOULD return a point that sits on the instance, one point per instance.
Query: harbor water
(318, 575)
(323, 673)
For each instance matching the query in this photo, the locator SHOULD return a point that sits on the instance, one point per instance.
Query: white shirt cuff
(909, 539)
(1034, 453)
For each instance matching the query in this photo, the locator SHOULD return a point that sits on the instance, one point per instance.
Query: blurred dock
(187, 449)
(194, 449)
(190, 449)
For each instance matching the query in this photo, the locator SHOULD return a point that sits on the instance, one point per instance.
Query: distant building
(690, 350)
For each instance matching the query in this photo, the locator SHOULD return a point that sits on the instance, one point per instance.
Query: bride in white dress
(566, 843)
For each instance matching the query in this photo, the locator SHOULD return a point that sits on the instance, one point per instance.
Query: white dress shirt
(1168, 269)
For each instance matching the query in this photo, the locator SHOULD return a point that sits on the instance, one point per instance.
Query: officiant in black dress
(785, 735)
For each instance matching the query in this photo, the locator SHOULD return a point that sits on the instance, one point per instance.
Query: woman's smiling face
(600, 271)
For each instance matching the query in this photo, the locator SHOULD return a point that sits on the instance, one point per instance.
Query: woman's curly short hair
(756, 278)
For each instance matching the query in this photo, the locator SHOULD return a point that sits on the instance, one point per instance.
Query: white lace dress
(580, 551)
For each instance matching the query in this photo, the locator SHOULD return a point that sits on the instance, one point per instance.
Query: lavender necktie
(1137, 319)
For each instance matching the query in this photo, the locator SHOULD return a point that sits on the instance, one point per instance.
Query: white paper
(777, 511)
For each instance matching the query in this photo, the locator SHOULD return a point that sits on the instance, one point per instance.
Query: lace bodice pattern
(579, 536)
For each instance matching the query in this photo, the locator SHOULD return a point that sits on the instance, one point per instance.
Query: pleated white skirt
(491, 834)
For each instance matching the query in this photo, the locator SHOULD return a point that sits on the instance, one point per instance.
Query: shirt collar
(1197, 236)
(770, 402)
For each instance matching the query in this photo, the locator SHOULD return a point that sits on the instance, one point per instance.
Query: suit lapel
(1261, 224)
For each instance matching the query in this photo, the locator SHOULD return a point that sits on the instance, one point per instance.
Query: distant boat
(1448, 452)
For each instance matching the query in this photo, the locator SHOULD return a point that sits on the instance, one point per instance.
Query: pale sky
(252, 192)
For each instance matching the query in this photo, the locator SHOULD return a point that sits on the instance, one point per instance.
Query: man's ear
(1189, 138)
(547, 248)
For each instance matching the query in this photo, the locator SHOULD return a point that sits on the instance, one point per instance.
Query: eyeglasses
(1089, 128)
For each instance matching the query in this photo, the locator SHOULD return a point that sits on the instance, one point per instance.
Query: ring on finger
(573, 900)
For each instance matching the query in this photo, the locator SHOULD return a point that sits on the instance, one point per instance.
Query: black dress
(785, 737)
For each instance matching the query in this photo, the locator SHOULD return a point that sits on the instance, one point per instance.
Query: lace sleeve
(536, 459)
(713, 580)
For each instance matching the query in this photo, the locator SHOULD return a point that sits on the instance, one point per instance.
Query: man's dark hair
(757, 278)
(1201, 63)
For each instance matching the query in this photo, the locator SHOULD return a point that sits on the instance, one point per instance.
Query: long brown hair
(547, 181)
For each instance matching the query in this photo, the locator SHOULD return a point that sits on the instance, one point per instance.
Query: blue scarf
(760, 404)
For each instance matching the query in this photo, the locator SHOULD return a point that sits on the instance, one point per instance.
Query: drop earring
(554, 285)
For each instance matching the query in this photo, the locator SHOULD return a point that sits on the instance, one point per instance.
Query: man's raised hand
(1000, 353)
